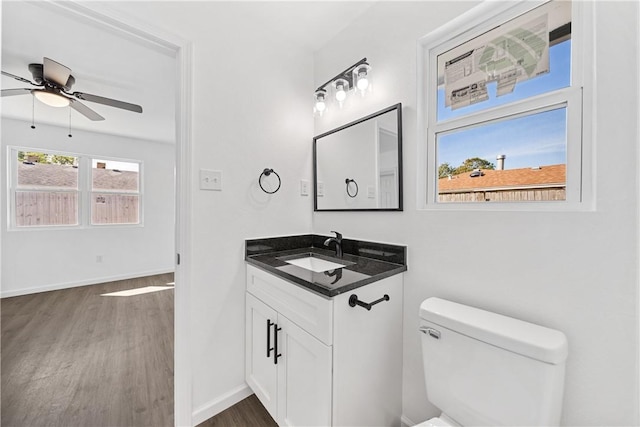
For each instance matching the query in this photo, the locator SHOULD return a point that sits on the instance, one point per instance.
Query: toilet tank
(483, 368)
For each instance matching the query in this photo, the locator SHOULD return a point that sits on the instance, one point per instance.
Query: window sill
(71, 227)
(509, 207)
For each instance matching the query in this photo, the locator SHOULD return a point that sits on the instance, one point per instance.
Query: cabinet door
(304, 377)
(260, 369)
(367, 354)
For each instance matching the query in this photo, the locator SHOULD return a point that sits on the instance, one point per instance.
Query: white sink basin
(315, 264)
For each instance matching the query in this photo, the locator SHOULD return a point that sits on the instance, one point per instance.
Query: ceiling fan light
(52, 99)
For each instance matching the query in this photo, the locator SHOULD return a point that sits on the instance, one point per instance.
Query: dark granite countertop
(364, 262)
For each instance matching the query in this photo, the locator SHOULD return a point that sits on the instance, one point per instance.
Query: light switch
(210, 180)
(371, 192)
(304, 187)
(320, 189)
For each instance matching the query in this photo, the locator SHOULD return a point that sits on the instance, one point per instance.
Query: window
(502, 108)
(61, 189)
(46, 190)
(115, 193)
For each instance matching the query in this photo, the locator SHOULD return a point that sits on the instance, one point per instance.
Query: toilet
(482, 368)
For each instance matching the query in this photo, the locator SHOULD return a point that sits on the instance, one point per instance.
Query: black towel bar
(353, 301)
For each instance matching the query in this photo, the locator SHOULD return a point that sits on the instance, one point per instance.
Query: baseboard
(406, 422)
(208, 410)
(58, 286)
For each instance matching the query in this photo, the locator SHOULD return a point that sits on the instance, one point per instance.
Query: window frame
(84, 190)
(576, 97)
(91, 193)
(13, 189)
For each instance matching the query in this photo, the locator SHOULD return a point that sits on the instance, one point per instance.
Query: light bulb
(341, 87)
(341, 95)
(363, 82)
(361, 77)
(320, 106)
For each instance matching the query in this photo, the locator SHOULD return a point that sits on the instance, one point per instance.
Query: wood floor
(246, 413)
(75, 358)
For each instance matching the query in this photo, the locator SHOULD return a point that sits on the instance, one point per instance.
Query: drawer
(311, 312)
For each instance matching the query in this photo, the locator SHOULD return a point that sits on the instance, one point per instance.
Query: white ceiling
(103, 62)
(107, 63)
(309, 23)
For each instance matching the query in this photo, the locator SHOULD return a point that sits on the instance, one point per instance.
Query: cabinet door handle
(275, 340)
(269, 348)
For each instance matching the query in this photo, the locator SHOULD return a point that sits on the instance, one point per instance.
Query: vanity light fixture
(320, 97)
(356, 76)
(341, 87)
(361, 77)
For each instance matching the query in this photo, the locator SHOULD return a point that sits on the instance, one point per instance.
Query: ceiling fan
(54, 82)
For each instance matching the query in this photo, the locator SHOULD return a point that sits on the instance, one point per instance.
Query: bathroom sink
(314, 262)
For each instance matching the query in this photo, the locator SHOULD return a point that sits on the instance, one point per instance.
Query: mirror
(358, 166)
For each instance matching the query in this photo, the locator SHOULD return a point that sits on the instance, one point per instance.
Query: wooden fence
(35, 208)
(109, 208)
(524, 195)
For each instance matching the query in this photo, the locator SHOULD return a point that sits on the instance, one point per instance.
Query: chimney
(500, 160)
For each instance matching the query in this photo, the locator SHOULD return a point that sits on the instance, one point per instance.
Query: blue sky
(535, 140)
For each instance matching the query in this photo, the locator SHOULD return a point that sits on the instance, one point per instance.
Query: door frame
(156, 38)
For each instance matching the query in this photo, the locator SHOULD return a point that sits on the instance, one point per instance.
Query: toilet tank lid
(538, 342)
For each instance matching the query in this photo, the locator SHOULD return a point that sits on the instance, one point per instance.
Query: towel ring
(347, 181)
(268, 172)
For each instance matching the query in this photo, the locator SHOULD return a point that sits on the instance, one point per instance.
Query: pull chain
(70, 121)
(33, 112)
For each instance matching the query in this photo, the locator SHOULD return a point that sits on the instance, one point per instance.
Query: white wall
(39, 260)
(573, 271)
(252, 109)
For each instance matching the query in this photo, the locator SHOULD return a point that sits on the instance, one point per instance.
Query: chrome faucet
(338, 241)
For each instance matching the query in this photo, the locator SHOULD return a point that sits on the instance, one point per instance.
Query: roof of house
(66, 176)
(508, 179)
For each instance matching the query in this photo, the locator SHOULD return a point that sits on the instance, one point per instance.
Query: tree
(55, 159)
(445, 169)
(473, 163)
(62, 160)
(34, 156)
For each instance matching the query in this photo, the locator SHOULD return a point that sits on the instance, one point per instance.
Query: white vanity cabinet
(316, 361)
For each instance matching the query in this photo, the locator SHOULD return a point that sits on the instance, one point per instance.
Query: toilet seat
(441, 421)
(433, 422)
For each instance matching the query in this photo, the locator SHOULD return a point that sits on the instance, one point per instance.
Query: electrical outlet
(304, 187)
(210, 180)
(320, 189)
(98, 258)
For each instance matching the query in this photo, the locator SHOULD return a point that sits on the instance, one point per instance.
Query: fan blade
(108, 101)
(13, 92)
(55, 72)
(22, 79)
(84, 110)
